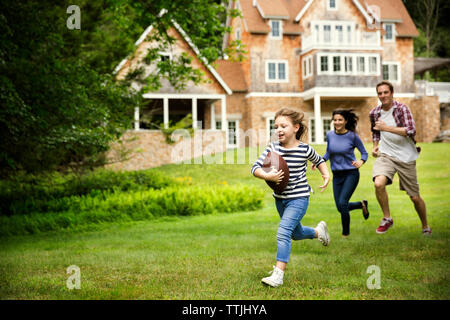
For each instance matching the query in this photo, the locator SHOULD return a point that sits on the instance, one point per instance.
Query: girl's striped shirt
(296, 159)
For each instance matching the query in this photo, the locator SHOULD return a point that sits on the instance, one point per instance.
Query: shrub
(36, 194)
(115, 206)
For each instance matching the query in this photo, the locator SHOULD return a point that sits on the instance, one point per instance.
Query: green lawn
(224, 256)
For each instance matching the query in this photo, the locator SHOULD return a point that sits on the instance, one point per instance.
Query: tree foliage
(60, 106)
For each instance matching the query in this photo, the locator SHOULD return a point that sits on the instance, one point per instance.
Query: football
(276, 161)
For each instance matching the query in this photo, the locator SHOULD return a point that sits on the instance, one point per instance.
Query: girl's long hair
(349, 116)
(296, 117)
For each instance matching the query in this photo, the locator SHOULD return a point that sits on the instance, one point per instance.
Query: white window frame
(323, 116)
(318, 32)
(335, 5)
(236, 134)
(385, 39)
(218, 125)
(268, 133)
(346, 55)
(307, 66)
(165, 54)
(277, 80)
(280, 36)
(388, 63)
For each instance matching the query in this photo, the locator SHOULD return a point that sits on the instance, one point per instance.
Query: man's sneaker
(385, 224)
(365, 209)
(276, 279)
(322, 233)
(427, 232)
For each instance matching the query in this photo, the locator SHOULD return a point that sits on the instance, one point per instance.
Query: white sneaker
(276, 279)
(322, 233)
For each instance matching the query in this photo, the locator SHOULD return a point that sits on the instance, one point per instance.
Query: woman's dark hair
(296, 117)
(349, 116)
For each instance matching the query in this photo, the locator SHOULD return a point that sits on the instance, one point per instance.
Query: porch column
(318, 119)
(213, 117)
(166, 113)
(194, 113)
(136, 118)
(224, 114)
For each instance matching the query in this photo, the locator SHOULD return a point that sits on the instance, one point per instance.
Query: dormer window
(165, 56)
(332, 4)
(389, 29)
(275, 29)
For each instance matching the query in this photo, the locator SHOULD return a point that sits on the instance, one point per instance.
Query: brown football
(274, 160)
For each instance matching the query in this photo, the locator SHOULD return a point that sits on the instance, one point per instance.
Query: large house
(312, 55)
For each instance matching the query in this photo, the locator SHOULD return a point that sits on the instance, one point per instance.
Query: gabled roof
(395, 11)
(256, 13)
(233, 74)
(270, 9)
(191, 44)
(256, 16)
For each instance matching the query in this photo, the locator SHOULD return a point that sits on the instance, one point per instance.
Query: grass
(224, 256)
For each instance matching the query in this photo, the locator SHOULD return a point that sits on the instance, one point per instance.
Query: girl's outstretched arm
(325, 175)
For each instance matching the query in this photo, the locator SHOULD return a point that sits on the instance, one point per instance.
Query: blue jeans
(344, 184)
(291, 213)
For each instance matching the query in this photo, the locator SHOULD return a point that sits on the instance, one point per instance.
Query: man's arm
(381, 126)
(375, 148)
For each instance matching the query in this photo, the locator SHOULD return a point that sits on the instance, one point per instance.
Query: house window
(270, 122)
(336, 63)
(373, 65)
(389, 32)
(307, 67)
(331, 4)
(360, 64)
(348, 64)
(275, 26)
(276, 71)
(232, 133)
(324, 63)
(327, 126)
(391, 71)
(165, 56)
(340, 33)
(348, 61)
(327, 33)
(349, 34)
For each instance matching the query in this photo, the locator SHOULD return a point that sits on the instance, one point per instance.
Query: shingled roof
(287, 10)
(232, 73)
(395, 11)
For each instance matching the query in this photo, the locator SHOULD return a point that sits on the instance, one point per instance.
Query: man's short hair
(385, 83)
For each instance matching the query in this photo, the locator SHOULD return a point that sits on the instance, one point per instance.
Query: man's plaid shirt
(402, 116)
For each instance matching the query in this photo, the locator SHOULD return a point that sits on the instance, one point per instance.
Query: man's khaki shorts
(387, 166)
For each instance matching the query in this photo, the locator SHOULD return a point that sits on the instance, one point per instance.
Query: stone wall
(148, 148)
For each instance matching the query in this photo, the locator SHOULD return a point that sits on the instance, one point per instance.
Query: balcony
(339, 40)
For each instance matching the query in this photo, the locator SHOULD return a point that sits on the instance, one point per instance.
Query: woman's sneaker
(365, 209)
(322, 233)
(276, 279)
(385, 224)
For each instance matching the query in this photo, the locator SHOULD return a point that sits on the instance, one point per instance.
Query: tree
(59, 104)
(430, 16)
